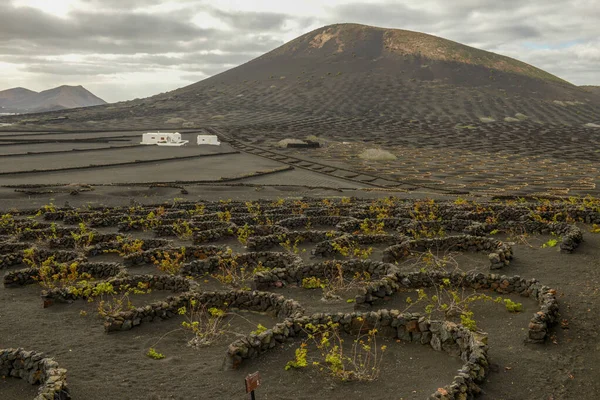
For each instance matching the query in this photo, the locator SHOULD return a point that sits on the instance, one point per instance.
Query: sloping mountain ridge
(591, 89)
(15, 95)
(21, 100)
(357, 72)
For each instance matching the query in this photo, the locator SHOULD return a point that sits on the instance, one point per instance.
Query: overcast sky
(123, 49)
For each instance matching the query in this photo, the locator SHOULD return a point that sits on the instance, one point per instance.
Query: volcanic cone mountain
(363, 74)
(21, 100)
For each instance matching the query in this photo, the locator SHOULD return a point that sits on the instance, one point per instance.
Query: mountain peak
(21, 100)
(370, 41)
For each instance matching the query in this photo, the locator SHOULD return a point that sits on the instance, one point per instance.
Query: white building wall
(208, 139)
(163, 139)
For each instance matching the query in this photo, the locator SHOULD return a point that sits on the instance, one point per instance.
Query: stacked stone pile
(36, 369)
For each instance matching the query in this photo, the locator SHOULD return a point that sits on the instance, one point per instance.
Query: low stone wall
(275, 260)
(26, 276)
(327, 269)
(272, 303)
(20, 277)
(117, 245)
(45, 232)
(208, 216)
(68, 242)
(445, 336)
(260, 243)
(190, 253)
(154, 282)
(11, 247)
(304, 221)
(570, 235)
(9, 259)
(169, 228)
(11, 253)
(102, 270)
(326, 247)
(212, 235)
(499, 256)
(270, 259)
(36, 369)
(541, 322)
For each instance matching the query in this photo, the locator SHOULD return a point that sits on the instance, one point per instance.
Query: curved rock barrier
(570, 235)
(500, 253)
(212, 235)
(312, 221)
(155, 282)
(188, 253)
(327, 248)
(260, 243)
(267, 259)
(541, 322)
(98, 270)
(327, 269)
(445, 336)
(36, 369)
(266, 302)
(117, 245)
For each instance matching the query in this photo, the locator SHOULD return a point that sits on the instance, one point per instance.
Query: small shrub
(231, 273)
(351, 249)
(170, 263)
(224, 216)
(128, 248)
(204, 323)
(183, 230)
(244, 233)
(118, 302)
(512, 306)
(361, 363)
(314, 283)
(550, 243)
(368, 227)
(288, 245)
(152, 353)
(198, 210)
(84, 237)
(259, 329)
(53, 274)
(300, 360)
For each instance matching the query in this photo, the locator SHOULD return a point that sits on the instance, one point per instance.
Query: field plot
(483, 159)
(388, 297)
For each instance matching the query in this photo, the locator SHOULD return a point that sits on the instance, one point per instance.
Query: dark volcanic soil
(104, 366)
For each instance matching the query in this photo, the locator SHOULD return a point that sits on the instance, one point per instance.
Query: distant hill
(363, 76)
(591, 89)
(21, 100)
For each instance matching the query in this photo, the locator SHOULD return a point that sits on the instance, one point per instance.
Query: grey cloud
(253, 21)
(389, 15)
(140, 40)
(29, 23)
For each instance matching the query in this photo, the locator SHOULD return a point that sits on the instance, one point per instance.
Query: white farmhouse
(163, 139)
(208, 139)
